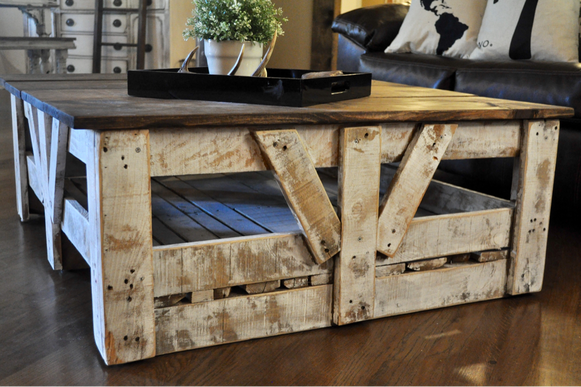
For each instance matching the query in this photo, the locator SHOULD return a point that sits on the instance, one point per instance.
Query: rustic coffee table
(190, 244)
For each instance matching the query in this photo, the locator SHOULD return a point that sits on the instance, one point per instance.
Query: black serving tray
(282, 87)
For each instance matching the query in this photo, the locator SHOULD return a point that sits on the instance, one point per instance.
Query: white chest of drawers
(75, 19)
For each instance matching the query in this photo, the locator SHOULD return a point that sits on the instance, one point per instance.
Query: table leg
(119, 200)
(532, 190)
(20, 168)
(359, 175)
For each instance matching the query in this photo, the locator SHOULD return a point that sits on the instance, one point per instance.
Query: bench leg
(20, 168)
(121, 246)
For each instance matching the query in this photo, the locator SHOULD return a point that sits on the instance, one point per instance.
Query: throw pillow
(440, 27)
(544, 30)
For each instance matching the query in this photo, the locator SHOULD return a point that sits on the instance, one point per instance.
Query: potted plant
(226, 25)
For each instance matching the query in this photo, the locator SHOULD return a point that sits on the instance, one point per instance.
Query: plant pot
(222, 56)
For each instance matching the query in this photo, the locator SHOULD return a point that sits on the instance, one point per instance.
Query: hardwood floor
(46, 333)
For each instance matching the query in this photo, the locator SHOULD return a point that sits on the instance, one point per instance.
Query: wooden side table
(38, 50)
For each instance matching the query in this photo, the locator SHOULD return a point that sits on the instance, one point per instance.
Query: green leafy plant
(242, 20)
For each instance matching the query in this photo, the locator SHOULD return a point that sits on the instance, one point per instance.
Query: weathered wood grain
(20, 167)
(230, 262)
(409, 184)
(443, 235)
(261, 287)
(121, 246)
(242, 318)
(294, 283)
(359, 172)
(488, 256)
(303, 190)
(428, 264)
(452, 285)
(75, 225)
(32, 177)
(387, 270)
(534, 180)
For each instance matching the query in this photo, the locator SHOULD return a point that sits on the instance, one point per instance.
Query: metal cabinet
(75, 19)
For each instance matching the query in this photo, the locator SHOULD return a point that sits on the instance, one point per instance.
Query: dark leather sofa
(364, 34)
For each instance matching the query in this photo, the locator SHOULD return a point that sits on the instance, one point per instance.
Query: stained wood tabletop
(105, 105)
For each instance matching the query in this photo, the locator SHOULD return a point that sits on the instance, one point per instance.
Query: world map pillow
(544, 30)
(440, 27)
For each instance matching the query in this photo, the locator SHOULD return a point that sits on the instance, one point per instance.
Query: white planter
(222, 56)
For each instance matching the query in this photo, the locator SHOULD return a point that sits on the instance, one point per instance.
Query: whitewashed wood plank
(225, 150)
(409, 184)
(119, 199)
(303, 190)
(78, 141)
(451, 285)
(444, 235)
(488, 256)
(387, 270)
(20, 167)
(534, 181)
(32, 177)
(75, 225)
(241, 318)
(229, 262)
(359, 174)
(428, 264)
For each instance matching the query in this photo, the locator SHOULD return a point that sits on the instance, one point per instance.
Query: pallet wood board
(241, 318)
(230, 262)
(452, 285)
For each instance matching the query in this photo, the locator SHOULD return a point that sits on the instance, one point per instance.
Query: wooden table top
(96, 102)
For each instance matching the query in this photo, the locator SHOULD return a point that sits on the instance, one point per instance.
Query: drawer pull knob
(117, 46)
(71, 68)
(117, 3)
(70, 3)
(116, 23)
(117, 70)
(70, 22)
(148, 48)
(149, 2)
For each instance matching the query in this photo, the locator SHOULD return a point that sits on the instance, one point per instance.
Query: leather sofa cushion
(541, 82)
(412, 69)
(371, 27)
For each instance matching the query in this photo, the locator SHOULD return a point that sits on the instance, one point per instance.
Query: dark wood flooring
(46, 333)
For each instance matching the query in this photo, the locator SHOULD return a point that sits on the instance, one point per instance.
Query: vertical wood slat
(121, 246)
(409, 184)
(20, 164)
(303, 190)
(534, 182)
(359, 175)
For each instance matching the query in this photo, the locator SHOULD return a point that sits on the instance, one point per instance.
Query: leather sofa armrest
(373, 27)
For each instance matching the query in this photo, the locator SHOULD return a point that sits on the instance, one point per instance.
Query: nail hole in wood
(126, 281)
(537, 133)
(556, 128)
(137, 150)
(350, 301)
(122, 157)
(275, 144)
(323, 243)
(130, 286)
(366, 135)
(284, 148)
(109, 287)
(389, 245)
(354, 256)
(132, 271)
(129, 299)
(363, 307)
(326, 250)
(125, 338)
(105, 149)
(360, 239)
(393, 231)
(125, 166)
(137, 338)
(544, 229)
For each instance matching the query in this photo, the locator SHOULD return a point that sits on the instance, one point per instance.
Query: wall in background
(293, 50)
